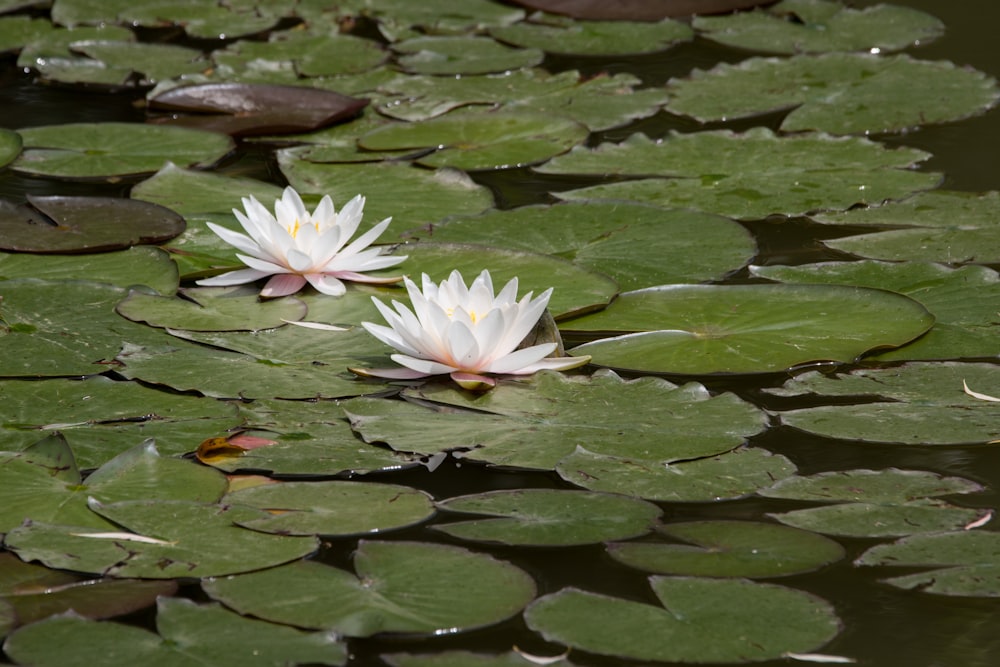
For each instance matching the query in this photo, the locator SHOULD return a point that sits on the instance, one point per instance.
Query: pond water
(882, 626)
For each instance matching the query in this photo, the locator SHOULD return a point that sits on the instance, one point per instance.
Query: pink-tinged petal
(263, 265)
(326, 284)
(518, 359)
(362, 278)
(234, 278)
(235, 239)
(283, 284)
(425, 366)
(473, 382)
(388, 373)
(553, 364)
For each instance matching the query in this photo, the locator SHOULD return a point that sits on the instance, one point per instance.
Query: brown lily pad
(68, 225)
(246, 109)
(638, 10)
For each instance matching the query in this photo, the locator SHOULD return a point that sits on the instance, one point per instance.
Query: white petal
(298, 261)
(235, 239)
(350, 216)
(263, 265)
(234, 278)
(324, 216)
(365, 239)
(326, 284)
(518, 359)
(424, 366)
(552, 364)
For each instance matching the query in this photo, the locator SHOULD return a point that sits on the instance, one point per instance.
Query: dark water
(884, 627)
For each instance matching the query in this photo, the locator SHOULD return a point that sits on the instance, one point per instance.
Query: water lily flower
(466, 332)
(294, 247)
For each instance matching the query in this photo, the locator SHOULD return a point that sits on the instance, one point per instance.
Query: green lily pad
(810, 26)
(499, 140)
(401, 587)
(918, 404)
(139, 265)
(537, 423)
(575, 289)
(114, 150)
(638, 246)
(700, 329)
(35, 592)
(940, 226)
(16, 31)
(333, 508)
(469, 659)
(402, 17)
(302, 53)
(729, 475)
(199, 20)
(42, 483)
(84, 224)
(101, 418)
(155, 62)
(749, 175)
(965, 302)
(701, 620)
(548, 517)
(594, 38)
(168, 539)
(964, 562)
(875, 503)
(730, 549)
(188, 191)
(840, 93)
(211, 309)
(10, 146)
(189, 635)
(51, 54)
(410, 196)
(462, 55)
(635, 10)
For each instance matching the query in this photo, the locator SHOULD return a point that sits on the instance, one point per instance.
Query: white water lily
(466, 332)
(294, 247)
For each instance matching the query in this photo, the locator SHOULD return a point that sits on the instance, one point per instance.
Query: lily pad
(535, 424)
(548, 517)
(167, 539)
(811, 26)
(729, 475)
(400, 587)
(301, 54)
(964, 562)
(241, 109)
(402, 17)
(10, 146)
(57, 224)
(965, 301)
(469, 659)
(595, 38)
(730, 549)
(638, 246)
(211, 309)
(101, 418)
(188, 191)
(189, 635)
(701, 329)
(916, 404)
(749, 175)
(18, 30)
(499, 140)
(636, 10)
(199, 20)
(462, 55)
(840, 93)
(146, 63)
(701, 620)
(575, 289)
(114, 150)
(333, 508)
(139, 265)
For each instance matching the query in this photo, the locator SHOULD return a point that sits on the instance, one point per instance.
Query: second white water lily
(295, 247)
(466, 332)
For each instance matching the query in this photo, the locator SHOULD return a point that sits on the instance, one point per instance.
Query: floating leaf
(638, 246)
(16, 31)
(168, 539)
(462, 55)
(810, 26)
(839, 93)
(434, 16)
(302, 53)
(636, 10)
(187, 191)
(965, 562)
(199, 20)
(965, 302)
(114, 150)
(499, 140)
(704, 620)
(548, 517)
(211, 309)
(595, 38)
(58, 224)
(730, 549)
(154, 62)
(242, 109)
(699, 329)
(10, 146)
(333, 508)
(400, 587)
(918, 404)
(189, 635)
(468, 659)
(139, 265)
(749, 175)
(733, 474)
(535, 424)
